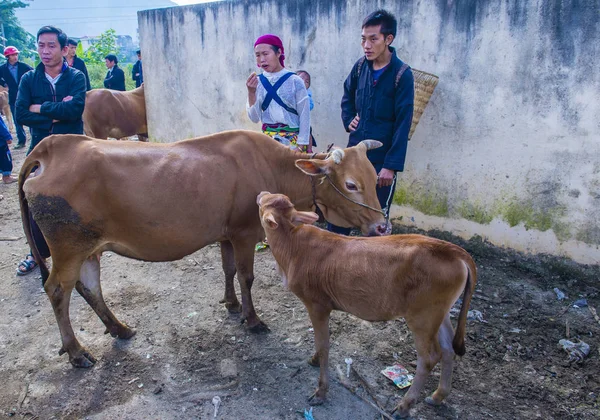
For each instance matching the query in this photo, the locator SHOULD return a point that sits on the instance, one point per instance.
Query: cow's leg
(89, 287)
(228, 260)
(244, 264)
(319, 317)
(425, 330)
(445, 336)
(58, 287)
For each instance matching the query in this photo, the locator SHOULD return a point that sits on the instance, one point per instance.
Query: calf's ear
(269, 219)
(260, 196)
(307, 217)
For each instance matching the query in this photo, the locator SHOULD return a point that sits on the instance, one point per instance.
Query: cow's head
(276, 210)
(346, 183)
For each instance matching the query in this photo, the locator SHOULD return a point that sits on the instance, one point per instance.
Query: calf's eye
(351, 186)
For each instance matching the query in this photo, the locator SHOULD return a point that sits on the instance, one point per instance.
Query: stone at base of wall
(500, 233)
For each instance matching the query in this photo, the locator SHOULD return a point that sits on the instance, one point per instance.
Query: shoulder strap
(399, 75)
(272, 92)
(361, 61)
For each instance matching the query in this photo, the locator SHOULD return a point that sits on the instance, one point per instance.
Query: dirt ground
(188, 349)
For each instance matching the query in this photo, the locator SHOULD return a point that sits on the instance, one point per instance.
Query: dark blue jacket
(115, 80)
(79, 64)
(7, 79)
(385, 111)
(35, 89)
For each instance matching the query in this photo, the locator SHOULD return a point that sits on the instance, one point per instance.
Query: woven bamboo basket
(425, 84)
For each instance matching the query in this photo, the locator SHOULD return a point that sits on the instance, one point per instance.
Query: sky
(182, 2)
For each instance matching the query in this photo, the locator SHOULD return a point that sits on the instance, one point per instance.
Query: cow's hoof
(120, 331)
(83, 359)
(259, 328)
(233, 308)
(432, 402)
(314, 399)
(314, 361)
(400, 413)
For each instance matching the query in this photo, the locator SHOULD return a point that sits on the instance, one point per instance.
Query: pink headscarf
(272, 40)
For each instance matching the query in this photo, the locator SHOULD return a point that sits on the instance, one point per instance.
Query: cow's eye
(351, 186)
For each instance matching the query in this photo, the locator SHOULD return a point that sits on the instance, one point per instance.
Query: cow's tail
(25, 217)
(458, 343)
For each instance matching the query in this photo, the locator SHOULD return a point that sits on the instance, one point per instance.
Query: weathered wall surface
(509, 146)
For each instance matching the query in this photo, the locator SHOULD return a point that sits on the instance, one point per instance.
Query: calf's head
(346, 188)
(277, 212)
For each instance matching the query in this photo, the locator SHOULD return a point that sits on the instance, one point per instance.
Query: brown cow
(112, 113)
(161, 202)
(5, 108)
(375, 279)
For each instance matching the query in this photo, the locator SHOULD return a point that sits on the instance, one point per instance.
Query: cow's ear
(307, 217)
(270, 220)
(312, 167)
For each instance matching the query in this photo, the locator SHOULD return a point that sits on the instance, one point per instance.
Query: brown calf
(161, 202)
(375, 279)
(112, 113)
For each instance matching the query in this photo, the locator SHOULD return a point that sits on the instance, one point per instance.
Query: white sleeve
(303, 108)
(254, 111)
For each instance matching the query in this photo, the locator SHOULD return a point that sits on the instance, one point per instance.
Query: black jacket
(137, 68)
(7, 79)
(79, 64)
(35, 89)
(385, 111)
(115, 80)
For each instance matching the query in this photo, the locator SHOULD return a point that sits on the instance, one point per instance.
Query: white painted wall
(513, 127)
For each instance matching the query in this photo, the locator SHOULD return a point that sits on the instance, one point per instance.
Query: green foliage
(15, 35)
(79, 50)
(97, 72)
(106, 44)
(426, 201)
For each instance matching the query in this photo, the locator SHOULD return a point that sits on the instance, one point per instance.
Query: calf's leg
(89, 287)
(58, 287)
(228, 261)
(425, 329)
(244, 263)
(319, 317)
(445, 336)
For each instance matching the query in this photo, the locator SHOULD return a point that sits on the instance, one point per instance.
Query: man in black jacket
(10, 75)
(115, 78)
(378, 104)
(50, 101)
(76, 62)
(137, 73)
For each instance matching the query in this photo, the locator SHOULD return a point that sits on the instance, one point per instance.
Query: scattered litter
(348, 361)
(399, 375)
(216, 401)
(191, 314)
(308, 414)
(580, 303)
(559, 294)
(133, 380)
(311, 329)
(475, 315)
(516, 330)
(577, 351)
(148, 356)
(140, 385)
(208, 267)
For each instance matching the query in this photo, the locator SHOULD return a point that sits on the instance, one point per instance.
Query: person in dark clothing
(11, 73)
(6, 165)
(378, 104)
(76, 62)
(115, 78)
(50, 101)
(137, 73)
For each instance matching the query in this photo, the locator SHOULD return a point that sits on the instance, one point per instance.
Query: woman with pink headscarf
(278, 97)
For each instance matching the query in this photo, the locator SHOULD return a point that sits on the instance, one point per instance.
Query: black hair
(112, 57)
(138, 52)
(304, 72)
(384, 18)
(62, 37)
(274, 48)
(72, 41)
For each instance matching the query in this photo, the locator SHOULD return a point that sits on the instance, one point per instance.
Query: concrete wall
(509, 147)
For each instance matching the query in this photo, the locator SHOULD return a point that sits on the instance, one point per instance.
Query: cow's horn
(337, 155)
(371, 144)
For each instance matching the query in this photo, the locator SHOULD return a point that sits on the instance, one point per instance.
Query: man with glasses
(378, 104)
